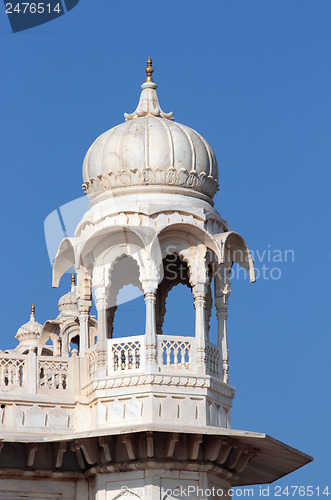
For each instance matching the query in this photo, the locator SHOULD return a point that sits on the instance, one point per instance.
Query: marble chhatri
(94, 416)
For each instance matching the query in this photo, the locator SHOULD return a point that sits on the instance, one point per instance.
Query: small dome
(30, 332)
(150, 149)
(69, 301)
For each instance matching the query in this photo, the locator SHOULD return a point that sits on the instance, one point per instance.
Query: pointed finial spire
(73, 283)
(149, 70)
(148, 103)
(32, 315)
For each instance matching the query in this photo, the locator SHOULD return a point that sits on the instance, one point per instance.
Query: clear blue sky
(254, 78)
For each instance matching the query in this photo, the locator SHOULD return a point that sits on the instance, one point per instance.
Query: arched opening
(174, 304)
(126, 314)
(74, 344)
(48, 347)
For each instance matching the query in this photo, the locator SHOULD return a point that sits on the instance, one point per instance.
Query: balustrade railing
(53, 373)
(214, 361)
(12, 372)
(126, 354)
(33, 374)
(176, 353)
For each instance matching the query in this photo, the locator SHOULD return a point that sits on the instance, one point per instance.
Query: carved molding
(201, 182)
(165, 380)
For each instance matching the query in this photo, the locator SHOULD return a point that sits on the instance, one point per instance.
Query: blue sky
(253, 77)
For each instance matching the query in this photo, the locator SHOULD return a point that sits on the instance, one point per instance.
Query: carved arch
(189, 248)
(235, 250)
(64, 260)
(51, 330)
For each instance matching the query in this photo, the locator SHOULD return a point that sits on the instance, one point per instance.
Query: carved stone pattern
(126, 356)
(183, 178)
(53, 374)
(213, 360)
(157, 221)
(11, 373)
(169, 380)
(176, 354)
(92, 363)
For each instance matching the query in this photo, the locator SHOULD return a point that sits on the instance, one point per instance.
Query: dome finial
(148, 104)
(149, 70)
(73, 283)
(32, 315)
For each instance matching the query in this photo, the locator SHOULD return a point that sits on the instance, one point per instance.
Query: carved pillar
(209, 306)
(102, 306)
(200, 294)
(83, 314)
(83, 292)
(150, 288)
(222, 293)
(57, 347)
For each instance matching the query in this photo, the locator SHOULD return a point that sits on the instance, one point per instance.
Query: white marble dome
(149, 148)
(69, 301)
(30, 332)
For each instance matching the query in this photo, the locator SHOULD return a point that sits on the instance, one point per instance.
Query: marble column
(83, 315)
(150, 289)
(200, 298)
(222, 293)
(102, 306)
(209, 306)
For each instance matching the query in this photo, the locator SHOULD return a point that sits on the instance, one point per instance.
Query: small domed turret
(28, 334)
(68, 303)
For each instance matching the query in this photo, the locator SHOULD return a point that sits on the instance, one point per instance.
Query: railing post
(31, 373)
(74, 379)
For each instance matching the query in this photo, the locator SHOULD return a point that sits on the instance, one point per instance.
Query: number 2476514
(32, 8)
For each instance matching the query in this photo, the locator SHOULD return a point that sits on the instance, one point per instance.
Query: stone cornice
(168, 380)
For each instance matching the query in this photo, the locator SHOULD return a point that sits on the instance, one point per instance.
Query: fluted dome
(69, 301)
(29, 333)
(149, 148)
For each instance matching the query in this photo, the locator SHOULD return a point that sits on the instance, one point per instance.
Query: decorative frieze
(201, 182)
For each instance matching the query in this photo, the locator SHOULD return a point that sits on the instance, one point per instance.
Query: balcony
(45, 394)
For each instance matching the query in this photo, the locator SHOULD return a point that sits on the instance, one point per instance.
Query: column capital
(150, 297)
(222, 288)
(84, 306)
(221, 303)
(200, 291)
(101, 297)
(149, 286)
(83, 286)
